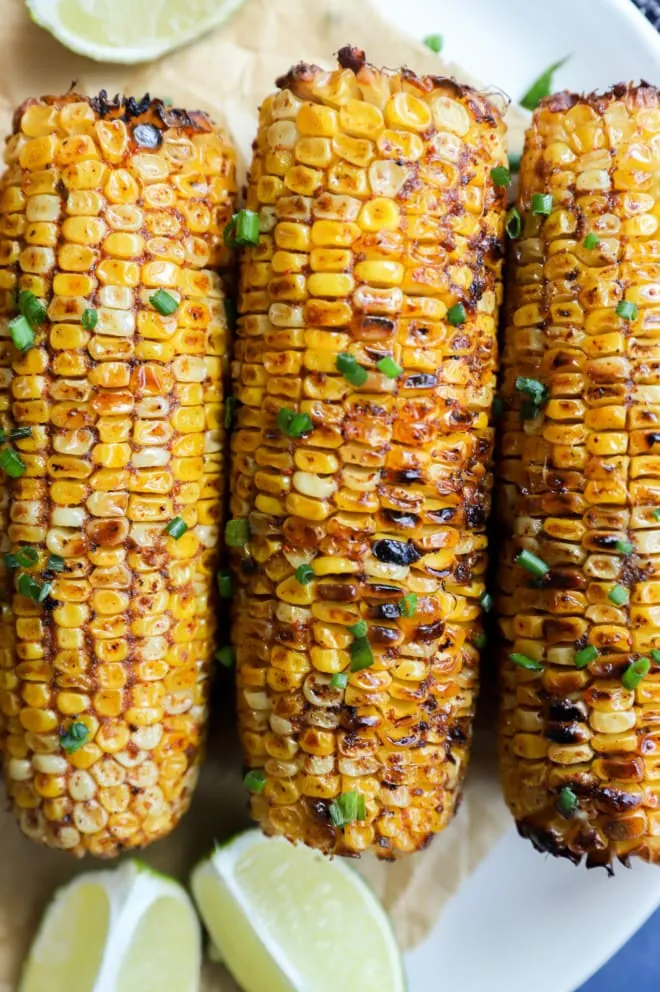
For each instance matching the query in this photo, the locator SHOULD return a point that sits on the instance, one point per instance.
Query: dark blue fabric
(652, 10)
(636, 968)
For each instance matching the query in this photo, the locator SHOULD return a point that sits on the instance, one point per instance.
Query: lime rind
(133, 49)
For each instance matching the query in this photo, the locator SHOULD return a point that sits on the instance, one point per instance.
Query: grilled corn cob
(579, 580)
(111, 215)
(364, 372)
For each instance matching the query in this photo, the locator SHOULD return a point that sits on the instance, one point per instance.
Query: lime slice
(287, 919)
(126, 30)
(129, 929)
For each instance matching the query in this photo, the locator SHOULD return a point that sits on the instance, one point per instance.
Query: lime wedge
(126, 30)
(128, 929)
(287, 919)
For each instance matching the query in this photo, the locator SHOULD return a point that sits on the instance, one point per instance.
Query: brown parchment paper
(228, 73)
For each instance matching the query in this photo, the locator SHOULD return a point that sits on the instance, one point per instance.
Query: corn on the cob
(111, 214)
(364, 371)
(579, 728)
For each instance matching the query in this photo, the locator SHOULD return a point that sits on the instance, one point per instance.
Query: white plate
(523, 922)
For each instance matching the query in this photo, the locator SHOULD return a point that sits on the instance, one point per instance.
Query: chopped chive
(635, 672)
(230, 313)
(456, 315)
(230, 405)
(164, 303)
(226, 656)
(500, 176)
(542, 204)
(74, 738)
(408, 605)
(532, 563)
(389, 367)
(524, 662)
(90, 318)
(31, 589)
(237, 532)
(19, 433)
(11, 463)
(31, 308)
(304, 574)
(591, 241)
(347, 808)
(655, 654)
(618, 595)
(294, 424)
(359, 629)
(255, 780)
(27, 556)
(513, 225)
(347, 364)
(361, 654)
(541, 87)
(567, 803)
(225, 587)
(498, 406)
(585, 656)
(626, 310)
(537, 394)
(486, 602)
(242, 229)
(625, 547)
(55, 563)
(339, 680)
(514, 162)
(434, 42)
(656, 513)
(21, 333)
(480, 641)
(176, 528)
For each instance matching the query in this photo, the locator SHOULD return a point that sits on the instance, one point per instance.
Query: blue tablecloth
(636, 968)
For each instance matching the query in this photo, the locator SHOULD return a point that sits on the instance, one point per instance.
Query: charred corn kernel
(135, 439)
(578, 483)
(385, 493)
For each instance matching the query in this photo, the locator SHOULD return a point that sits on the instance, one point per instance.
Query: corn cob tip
(636, 96)
(304, 78)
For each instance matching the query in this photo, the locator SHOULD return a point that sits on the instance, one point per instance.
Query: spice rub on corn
(364, 373)
(113, 339)
(579, 582)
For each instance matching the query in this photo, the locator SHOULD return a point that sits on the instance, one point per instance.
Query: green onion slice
(635, 672)
(585, 656)
(389, 367)
(21, 333)
(304, 574)
(31, 307)
(626, 310)
(294, 424)
(500, 176)
(225, 587)
(408, 605)
(226, 656)
(242, 229)
(164, 303)
(347, 808)
(31, 589)
(176, 528)
(55, 563)
(456, 315)
(74, 738)
(434, 42)
(359, 629)
(480, 641)
(339, 680)
(513, 225)
(619, 595)
(591, 241)
(567, 802)
(90, 318)
(625, 547)
(361, 654)
(532, 563)
(11, 463)
(230, 405)
(347, 364)
(255, 780)
(237, 532)
(542, 204)
(524, 662)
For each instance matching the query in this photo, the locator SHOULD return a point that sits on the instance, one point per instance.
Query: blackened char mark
(396, 552)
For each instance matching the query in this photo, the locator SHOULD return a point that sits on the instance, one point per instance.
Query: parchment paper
(228, 73)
